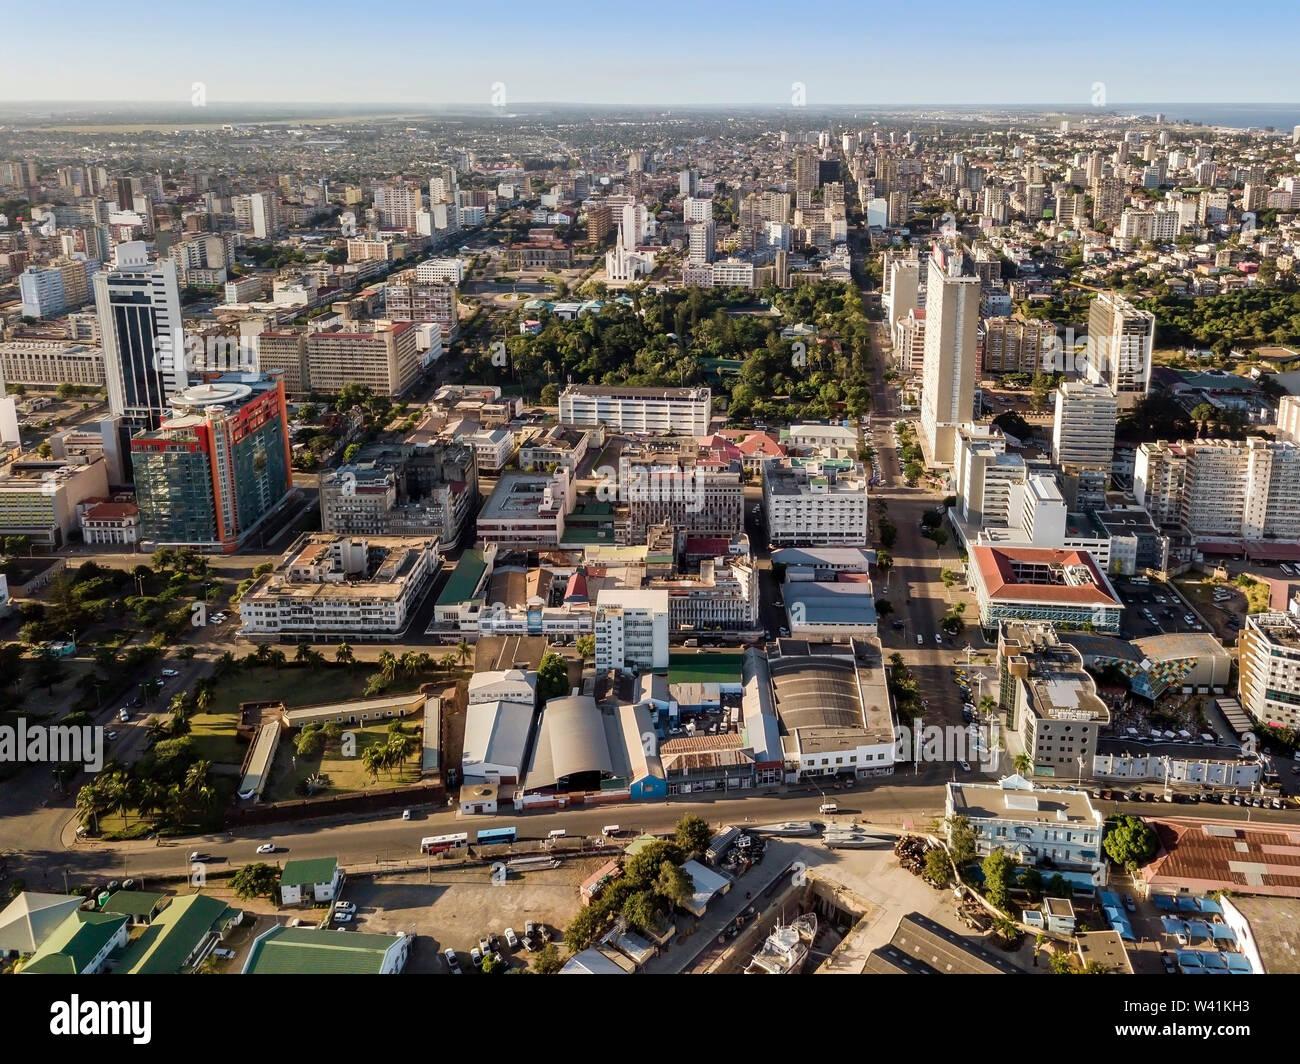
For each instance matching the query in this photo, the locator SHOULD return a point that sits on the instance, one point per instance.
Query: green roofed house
(311, 881)
(79, 946)
(468, 582)
(180, 937)
(140, 906)
(313, 951)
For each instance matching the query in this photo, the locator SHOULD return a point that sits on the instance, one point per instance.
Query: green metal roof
(312, 951)
(464, 578)
(308, 873)
(78, 939)
(709, 666)
(132, 903)
(175, 933)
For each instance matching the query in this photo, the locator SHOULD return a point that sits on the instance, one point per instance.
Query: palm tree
(387, 665)
(263, 653)
(463, 651)
(372, 760)
(987, 705)
(344, 656)
(303, 654)
(225, 666)
(1023, 763)
(203, 700)
(276, 659)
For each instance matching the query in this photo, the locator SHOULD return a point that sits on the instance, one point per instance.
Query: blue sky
(669, 52)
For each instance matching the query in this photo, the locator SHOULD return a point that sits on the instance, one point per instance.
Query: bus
(442, 843)
(492, 836)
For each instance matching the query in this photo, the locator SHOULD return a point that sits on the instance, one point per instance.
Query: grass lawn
(214, 737)
(295, 685)
(346, 773)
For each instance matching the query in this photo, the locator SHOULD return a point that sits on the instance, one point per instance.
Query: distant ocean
(1282, 116)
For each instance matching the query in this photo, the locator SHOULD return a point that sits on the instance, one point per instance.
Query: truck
(720, 844)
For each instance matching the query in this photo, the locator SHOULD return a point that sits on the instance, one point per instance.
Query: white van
(558, 833)
(609, 830)
(828, 808)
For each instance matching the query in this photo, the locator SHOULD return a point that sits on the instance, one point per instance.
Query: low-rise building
(336, 587)
(311, 881)
(1034, 826)
(1030, 583)
(834, 709)
(526, 510)
(1050, 698)
(684, 411)
(815, 503)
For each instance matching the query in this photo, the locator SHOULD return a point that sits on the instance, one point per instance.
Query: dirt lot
(460, 905)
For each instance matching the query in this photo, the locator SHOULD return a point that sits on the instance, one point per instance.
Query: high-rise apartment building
(1107, 200)
(1083, 430)
(951, 343)
(1268, 655)
(1238, 489)
(1120, 342)
(1017, 345)
(702, 238)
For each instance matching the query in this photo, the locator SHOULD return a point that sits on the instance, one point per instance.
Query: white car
(920, 641)
(345, 906)
(938, 638)
(343, 918)
(266, 847)
(512, 940)
(169, 673)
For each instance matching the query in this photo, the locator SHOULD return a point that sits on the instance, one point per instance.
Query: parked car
(963, 766)
(920, 640)
(512, 940)
(938, 638)
(345, 906)
(453, 962)
(476, 957)
(1167, 959)
(110, 735)
(169, 673)
(343, 918)
(1130, 904)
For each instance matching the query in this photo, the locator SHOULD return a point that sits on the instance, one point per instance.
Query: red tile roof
(998, 576)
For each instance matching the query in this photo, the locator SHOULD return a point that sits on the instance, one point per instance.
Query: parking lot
(1154, 609)
(455, 907)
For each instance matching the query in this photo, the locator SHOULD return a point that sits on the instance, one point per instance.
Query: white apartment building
(951, 349)
(442, 270)
(733, 273)
(909, 341)
(814, 503)
(696, 209)
(631, 630)
(1031, 824)
(1083, 430)
(526, 510)
(341, 587)
(1269, 662)
(684, 411)
(493, 448)
(1120, 341)
(1288, 415)
(1240, 489)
